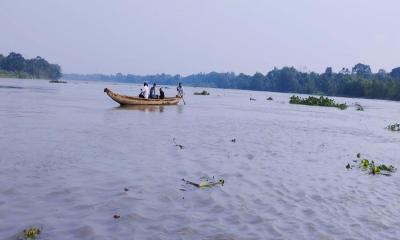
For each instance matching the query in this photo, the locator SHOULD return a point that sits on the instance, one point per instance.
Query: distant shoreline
(12, 75)
(359, 82)
(8, 75)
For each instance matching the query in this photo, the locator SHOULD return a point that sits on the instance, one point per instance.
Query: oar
(183, 100)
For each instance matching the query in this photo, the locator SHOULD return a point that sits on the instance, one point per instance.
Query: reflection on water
(68, 155)
(152, 108)
(11, 87)
(143, 108)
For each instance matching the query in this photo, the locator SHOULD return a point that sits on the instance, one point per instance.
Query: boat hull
(124, 100)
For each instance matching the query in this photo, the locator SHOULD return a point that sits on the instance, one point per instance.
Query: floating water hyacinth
(204, 93)
(31, 233)
(314, 101)
(371, 167)
(394, 127)
(57, 81)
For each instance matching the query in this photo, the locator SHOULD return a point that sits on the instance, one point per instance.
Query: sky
(192, 36)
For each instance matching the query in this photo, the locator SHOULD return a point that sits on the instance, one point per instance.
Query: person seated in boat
(162, 95)
(179, 89)
(153, 91)
(145, 91)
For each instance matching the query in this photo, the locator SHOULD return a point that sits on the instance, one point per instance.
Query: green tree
(395, 73)
(361, 70)
(14, 62)
(1, 61)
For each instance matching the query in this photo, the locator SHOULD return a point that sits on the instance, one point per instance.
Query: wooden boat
(132, 101)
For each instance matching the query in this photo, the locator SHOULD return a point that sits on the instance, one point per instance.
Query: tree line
(359, 82)
(15, 65)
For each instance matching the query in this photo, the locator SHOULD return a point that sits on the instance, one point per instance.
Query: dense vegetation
(359, 82)
(15, 65)
(314, 101)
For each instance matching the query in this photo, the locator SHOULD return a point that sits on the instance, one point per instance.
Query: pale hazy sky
(191, 36)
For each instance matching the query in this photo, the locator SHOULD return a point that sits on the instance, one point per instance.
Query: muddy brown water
(67, 153)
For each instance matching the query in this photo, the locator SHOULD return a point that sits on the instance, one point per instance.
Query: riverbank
(16, 75)
(20, 75)
(5, 74)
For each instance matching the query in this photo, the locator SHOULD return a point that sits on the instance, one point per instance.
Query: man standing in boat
(145, 91)
(179, 89)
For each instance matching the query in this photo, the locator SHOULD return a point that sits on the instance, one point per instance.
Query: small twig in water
(178, 145)
(204, 184)
(191, 183)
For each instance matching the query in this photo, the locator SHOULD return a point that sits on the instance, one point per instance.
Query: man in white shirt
(145, 92)
(179, 89)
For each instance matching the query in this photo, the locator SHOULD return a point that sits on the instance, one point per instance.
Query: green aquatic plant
(364, 163)
(342, 106)
(204, 93)
(394, 127)
(372, 168)
(383, 167)
(31, 233)
(315, 101)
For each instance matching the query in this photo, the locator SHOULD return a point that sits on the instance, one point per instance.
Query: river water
(68, 152)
